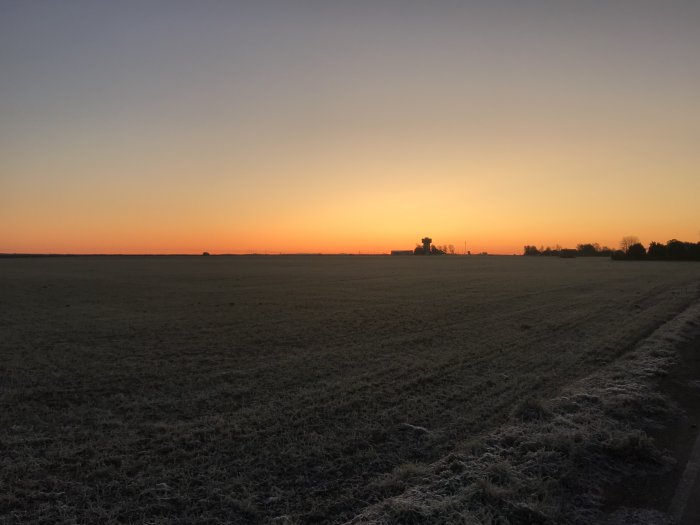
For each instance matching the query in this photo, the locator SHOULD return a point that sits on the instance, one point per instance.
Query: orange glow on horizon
(357, 129)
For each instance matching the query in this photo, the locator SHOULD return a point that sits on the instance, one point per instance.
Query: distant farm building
(427, 248)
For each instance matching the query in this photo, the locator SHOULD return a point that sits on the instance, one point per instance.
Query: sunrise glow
(161, 128)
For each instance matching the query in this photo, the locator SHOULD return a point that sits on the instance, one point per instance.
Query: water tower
(427, 241)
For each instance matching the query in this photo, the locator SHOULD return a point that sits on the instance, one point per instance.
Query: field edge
(553, 461)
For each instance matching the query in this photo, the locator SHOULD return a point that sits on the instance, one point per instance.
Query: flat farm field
(297, 389)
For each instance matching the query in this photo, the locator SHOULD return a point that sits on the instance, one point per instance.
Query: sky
(322, 126)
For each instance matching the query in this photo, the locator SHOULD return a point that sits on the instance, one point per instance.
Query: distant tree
(419, 250)
(587, 250)
(451, 249)
(675, 250)
(567, 253)
(636, 251)
(619, 255)
(434, 250)
(205, 253)
(628, 241)
(606, 251)
(695, 251)
(530, 250)
(656, 251)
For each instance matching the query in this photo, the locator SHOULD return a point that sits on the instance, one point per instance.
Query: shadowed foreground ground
(305, 389)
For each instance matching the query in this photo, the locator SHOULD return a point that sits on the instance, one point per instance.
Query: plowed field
(293, 388)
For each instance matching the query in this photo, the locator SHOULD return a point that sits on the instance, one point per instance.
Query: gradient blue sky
(346, 126)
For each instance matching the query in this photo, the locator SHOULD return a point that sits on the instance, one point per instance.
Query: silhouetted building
(426, 248)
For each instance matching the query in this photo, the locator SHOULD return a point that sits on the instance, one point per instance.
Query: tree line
(630, 249)
(435, 250)
(582, 250)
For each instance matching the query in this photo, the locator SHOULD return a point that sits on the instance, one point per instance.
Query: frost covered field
(327, 389)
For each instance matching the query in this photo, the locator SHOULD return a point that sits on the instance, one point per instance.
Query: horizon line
(276, 254)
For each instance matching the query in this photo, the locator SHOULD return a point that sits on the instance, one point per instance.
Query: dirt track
(667, 491)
